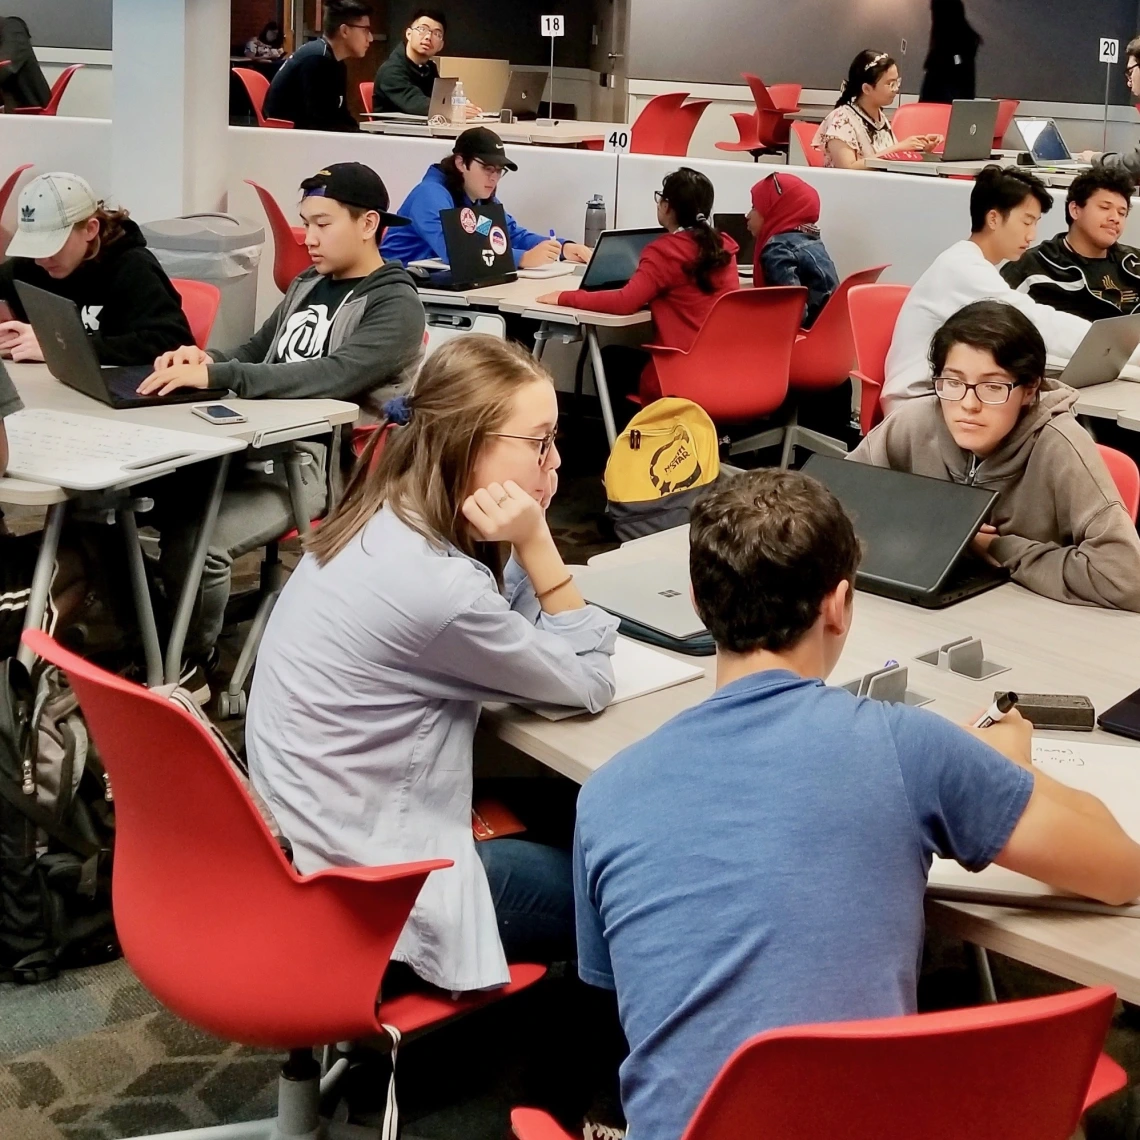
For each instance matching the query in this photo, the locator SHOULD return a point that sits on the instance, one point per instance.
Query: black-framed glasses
(1130, 69)
(952, 390)
(364, 27)
(545, 442)
(493, 170)
(425, 30)
(658, 196)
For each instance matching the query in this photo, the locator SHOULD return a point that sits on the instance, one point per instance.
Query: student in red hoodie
(679, 276)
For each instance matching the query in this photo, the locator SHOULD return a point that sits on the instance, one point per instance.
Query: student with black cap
(349, 328)
(469, 175)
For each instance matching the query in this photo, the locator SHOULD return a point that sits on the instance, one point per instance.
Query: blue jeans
(533, 892)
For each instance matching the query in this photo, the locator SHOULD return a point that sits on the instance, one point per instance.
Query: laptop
(915, 531)
(478, 248)
(524, 93)
(736, 227)
(71, 359)
(970, 133)
(1103, 352)
(616, 256)
(1045, 145)
(439, 107)
(653, 594)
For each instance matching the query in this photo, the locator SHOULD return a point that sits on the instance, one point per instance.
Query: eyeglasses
(363, 27)
(545, 442)
(951, 389)
(492, 171)
(425, 30)
(658, 196)
(894, 84)
(1130, 69)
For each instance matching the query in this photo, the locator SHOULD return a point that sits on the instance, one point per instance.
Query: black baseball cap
(353, 184)
(485, 145)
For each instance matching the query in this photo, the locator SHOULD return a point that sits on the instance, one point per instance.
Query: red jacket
(679, 308)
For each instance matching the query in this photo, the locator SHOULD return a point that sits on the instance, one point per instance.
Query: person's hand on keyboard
(166, 380)
(187, 354)
(18, 341)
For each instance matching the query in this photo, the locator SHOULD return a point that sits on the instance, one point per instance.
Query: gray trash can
(219, 248)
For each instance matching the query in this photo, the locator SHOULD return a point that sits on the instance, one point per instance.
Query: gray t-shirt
(9, 398)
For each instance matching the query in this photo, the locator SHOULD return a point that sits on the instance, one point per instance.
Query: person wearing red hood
(680, 275)
(783, 218)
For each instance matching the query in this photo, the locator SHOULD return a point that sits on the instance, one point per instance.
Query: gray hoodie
(1063, 530)
(375, 344)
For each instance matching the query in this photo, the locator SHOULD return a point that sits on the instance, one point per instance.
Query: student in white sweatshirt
(1005, 207)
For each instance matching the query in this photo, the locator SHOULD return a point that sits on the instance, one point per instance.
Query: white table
(268, 423)
(560, 132)
(1118, 401)
(1049, 646)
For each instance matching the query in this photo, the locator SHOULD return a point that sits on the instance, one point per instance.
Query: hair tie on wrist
(398, 410)
(551, 589)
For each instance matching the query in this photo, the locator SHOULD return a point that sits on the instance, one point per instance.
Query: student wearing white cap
(71, 244)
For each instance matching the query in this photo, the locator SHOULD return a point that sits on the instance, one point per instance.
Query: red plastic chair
(1024, 1070)
(1126, 475)
(1005, 115)
(921, 119)
(748, 136)
(651, 130)
(874, 310)
(57, 90)
(212, 918)
(366, 90)
(257, 87)
(290, 256)
(200, 303)
(737, 368)
(805, 132)
(5, 194)
(682, 126)
(771, 126)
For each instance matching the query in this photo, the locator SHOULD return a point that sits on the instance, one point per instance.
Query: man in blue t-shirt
(760, 860)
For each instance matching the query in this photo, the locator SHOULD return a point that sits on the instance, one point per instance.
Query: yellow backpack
(658, 465)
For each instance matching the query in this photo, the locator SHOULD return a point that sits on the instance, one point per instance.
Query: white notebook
(1107, 771)
(638, 670)
(554, 269)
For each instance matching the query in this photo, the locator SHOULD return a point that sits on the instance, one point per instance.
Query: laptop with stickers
(478, 248)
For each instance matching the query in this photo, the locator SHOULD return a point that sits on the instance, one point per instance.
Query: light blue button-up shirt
(363, 711)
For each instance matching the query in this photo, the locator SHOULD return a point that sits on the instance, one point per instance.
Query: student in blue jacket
(469, 175)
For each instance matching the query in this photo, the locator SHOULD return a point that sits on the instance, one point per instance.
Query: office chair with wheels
(652, 129)
(1126, 475)
(290, 256)
(221, 929)
(874, 310)
(63, 81)
(257, 87)
(200, 303)
(1023, 1070)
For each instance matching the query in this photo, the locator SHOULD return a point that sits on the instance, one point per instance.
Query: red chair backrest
(290, 257)
(1125, 474)
(366, 90)
(211, 917)
(651, 129)
(59, 87)
(921, 119)
(805, 132)
(737, 368)
(8, 186)
(682, 126)
(1005, 115)
(256, 87)
(200, 302)
(786, 96)
(1017, 1071)
(825, 355)
(771, 126)
(874, 310)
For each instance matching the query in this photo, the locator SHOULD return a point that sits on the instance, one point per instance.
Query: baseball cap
(353, 184)
(49, 206)
(485, 145)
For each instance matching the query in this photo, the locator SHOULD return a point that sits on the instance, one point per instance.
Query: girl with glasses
(435, 586)
(858, 128)
(994, 420)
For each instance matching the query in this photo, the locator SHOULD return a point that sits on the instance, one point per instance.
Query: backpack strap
(28, 807)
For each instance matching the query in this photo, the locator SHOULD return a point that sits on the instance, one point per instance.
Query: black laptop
(478, 248)
(70, 356)
(616, 256)
(736, 226)
(915, 531)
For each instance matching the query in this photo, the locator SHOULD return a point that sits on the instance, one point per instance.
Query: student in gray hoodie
(350, 328)
(994, 420)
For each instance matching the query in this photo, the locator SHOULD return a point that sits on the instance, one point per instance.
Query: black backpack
(56, 831)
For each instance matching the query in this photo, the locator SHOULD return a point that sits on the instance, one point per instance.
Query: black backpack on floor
(56, 831)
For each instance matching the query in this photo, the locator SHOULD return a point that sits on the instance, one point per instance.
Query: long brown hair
(424, 472)
(111, 229)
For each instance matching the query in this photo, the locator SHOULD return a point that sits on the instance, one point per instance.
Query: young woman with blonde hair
(405, 615)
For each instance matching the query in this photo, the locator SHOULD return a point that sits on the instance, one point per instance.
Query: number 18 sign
(553, 25)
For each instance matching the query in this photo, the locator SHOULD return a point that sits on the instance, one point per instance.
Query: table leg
(194, 575)
(42, 576)
(540, 339)
(600, 383)
(294, 460)
(144, 609)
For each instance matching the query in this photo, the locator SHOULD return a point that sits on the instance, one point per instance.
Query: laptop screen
(1043, 140)
(737, 228)
(912, 528)
(616, 256)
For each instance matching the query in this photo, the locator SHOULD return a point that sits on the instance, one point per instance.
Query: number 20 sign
(1109, 50)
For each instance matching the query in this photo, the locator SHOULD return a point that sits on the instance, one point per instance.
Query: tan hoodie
(1063, 531)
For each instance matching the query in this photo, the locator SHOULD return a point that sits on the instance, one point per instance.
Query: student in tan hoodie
(994, 420)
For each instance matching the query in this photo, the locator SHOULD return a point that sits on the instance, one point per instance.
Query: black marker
(1002, 704)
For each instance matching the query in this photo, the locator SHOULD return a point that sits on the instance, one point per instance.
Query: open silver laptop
(654, 594)
(1045, 145)
(438, 108)
(1103, 353)
(970, 132)
(524, 93)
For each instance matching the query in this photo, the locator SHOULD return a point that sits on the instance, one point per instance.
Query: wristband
(547, 592)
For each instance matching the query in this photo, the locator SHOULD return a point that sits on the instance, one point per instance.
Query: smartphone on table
(221, 414)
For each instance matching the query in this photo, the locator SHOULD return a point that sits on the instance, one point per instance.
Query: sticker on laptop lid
(483, 226)
(467, 220)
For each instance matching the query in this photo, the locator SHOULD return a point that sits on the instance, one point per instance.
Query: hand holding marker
(997, 710)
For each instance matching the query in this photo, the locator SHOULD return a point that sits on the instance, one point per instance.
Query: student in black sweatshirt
(72, 245)
(405, 79)
(311, 89)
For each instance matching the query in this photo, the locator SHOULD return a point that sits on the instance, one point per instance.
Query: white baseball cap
(49, 206)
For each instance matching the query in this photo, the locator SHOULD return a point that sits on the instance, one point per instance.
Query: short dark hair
(1006, 333)
(765, 549)
(432, 14)
(1004, 189)
(1133, 48)
(1099, 177)
(339, 12)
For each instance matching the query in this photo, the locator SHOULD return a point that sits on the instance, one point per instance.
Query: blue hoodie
(424, 237)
